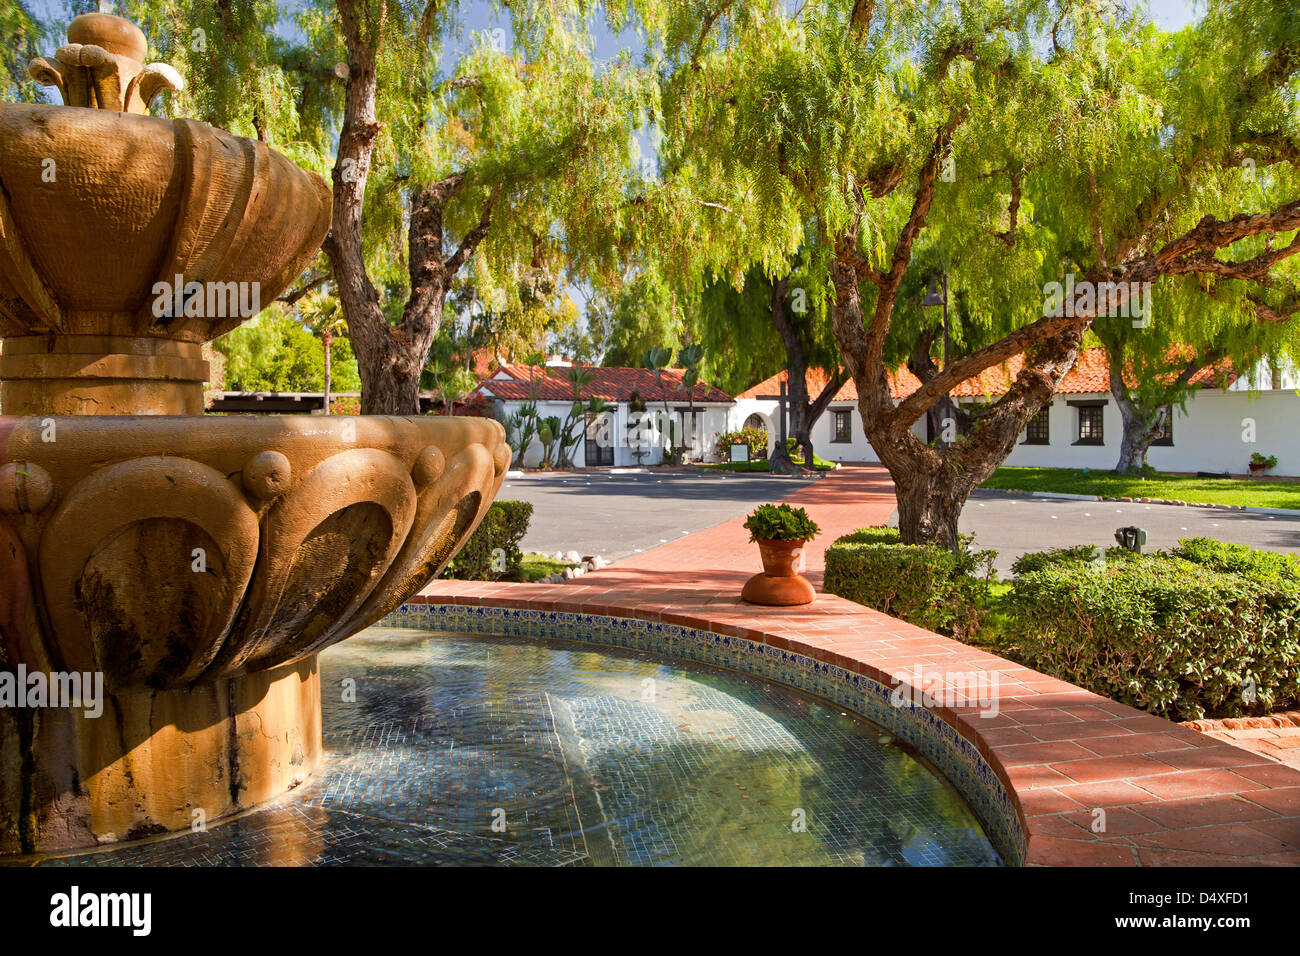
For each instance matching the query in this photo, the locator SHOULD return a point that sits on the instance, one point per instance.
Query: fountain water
(196, 564)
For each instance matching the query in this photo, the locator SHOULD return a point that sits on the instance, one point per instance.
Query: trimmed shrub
(925, 585)
(503, 527)
(1037, 560)
(1262, 567)
(1178, 639)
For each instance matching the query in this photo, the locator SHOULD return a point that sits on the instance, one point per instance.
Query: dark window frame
(1087, 411)
(1040, 422)
(839, 415)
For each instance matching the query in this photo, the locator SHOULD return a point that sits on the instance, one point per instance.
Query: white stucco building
(1225, 420)
(620, 437)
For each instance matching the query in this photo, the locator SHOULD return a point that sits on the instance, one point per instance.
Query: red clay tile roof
(483, 362)
(1090, 374)
(613, 384)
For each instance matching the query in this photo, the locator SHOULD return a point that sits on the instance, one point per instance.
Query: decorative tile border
(956, 757)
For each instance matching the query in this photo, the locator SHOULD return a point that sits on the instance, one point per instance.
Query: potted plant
(781, 532)
(1260, 464)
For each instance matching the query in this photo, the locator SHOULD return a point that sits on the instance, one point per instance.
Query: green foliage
(1262, 567)
(1037, 560)
(1177, 639)
(656, 359)
(635, 318)
(492, 552)
(548, 433)
(273, 353)
(924, 585)
(1268, 461)
(780, 523)
(521, 426)
(755, 438)
(690, 358)
(534, 567)
(20, 41)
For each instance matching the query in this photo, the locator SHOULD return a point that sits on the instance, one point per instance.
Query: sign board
(739, 453)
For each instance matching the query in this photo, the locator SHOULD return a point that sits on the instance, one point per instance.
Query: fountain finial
(102, 66)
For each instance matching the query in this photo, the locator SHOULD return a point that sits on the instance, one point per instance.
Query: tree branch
(475, 235)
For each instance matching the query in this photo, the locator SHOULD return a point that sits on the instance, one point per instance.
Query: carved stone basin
(194, 566)
(200, 565)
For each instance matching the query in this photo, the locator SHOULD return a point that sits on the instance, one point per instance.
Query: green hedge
(924, 585)
(1262, 567)
(504, 526)
(1037, 560)
(1175, 638)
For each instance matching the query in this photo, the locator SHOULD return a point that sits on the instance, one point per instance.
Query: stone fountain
(199, 564)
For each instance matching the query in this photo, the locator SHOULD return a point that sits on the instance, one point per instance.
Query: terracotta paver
(1094, 782)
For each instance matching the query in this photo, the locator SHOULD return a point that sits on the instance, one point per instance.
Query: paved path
(628, 518)
(842, 501)
(620, 515)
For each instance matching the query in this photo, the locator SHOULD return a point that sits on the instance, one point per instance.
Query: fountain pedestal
(193, 566)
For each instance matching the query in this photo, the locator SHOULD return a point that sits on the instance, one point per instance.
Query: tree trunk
(327, 338)
(929, 506)
(803, 413)
(933, 484)
(1137, 434)
(390, 358)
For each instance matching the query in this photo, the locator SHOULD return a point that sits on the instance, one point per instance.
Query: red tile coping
(1159, 793)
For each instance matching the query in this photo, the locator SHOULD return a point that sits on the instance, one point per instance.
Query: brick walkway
(852, 497)
(1071, 760)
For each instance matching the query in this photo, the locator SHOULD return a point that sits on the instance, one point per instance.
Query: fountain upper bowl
(100, 209)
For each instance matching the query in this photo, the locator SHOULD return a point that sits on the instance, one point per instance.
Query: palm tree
(324, 317)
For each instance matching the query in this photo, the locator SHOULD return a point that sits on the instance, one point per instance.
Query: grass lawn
(1210, 491)
(819, 464)
(535, 566)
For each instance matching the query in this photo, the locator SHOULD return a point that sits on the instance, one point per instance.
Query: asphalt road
(1016, 525)
(619, 515)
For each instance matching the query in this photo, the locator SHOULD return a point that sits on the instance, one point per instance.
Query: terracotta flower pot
(780, 584)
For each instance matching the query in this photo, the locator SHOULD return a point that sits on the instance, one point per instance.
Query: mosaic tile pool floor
(466, 749)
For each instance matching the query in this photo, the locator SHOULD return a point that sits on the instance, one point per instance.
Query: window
(1038, 432)
(1164, 426)
(841, 425)
(1090, 425)
(756, 421)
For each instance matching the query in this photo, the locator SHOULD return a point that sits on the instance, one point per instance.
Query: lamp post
(932, 298)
